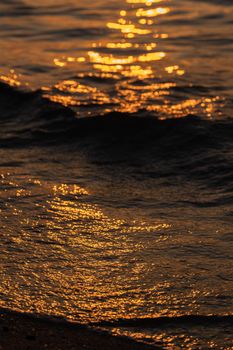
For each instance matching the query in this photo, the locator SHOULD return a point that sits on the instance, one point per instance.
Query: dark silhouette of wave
(188, 320)
(29, 117)
(198, 148)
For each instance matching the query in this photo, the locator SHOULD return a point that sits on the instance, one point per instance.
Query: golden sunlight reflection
(12, 79)
(152, 12)
(146, 2)
(77, 257)
(132, 57)
(70, 227)
(176, 339)
(129, 69)
(68, 210)
(141, 75)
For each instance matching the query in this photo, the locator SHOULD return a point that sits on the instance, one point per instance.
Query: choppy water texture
(116, 166)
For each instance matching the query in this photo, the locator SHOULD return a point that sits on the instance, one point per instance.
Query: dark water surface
(116, 166)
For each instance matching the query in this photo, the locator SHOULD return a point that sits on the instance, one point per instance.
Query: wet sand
(29, 332)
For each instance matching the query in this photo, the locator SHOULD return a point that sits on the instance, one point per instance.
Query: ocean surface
(116, 166)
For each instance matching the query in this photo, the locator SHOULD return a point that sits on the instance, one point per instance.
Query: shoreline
(25, 331)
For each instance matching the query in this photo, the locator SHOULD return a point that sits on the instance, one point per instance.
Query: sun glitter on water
(138, 71)
(128, 70)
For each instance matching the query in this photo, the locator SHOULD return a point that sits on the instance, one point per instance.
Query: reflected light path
(90, 265)
(71, 234)
(140, 75)
(96, 230)
(114, 72)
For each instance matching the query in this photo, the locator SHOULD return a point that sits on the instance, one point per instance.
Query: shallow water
(126, 215)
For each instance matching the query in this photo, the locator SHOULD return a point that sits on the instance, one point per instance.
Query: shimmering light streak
(146, 2)
(134, 55)
(152, 12)
(128, 28)
(11, 79)
(148, 57)
(66, 224)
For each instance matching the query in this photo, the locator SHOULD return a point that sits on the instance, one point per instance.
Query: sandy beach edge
(25, 331)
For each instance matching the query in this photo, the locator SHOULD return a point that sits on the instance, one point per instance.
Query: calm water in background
(131, 218)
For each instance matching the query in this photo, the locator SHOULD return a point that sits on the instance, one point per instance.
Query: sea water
(116, 166)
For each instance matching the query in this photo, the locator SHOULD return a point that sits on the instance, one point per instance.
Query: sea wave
(188, 320)
(28, 116)
(194, 147)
